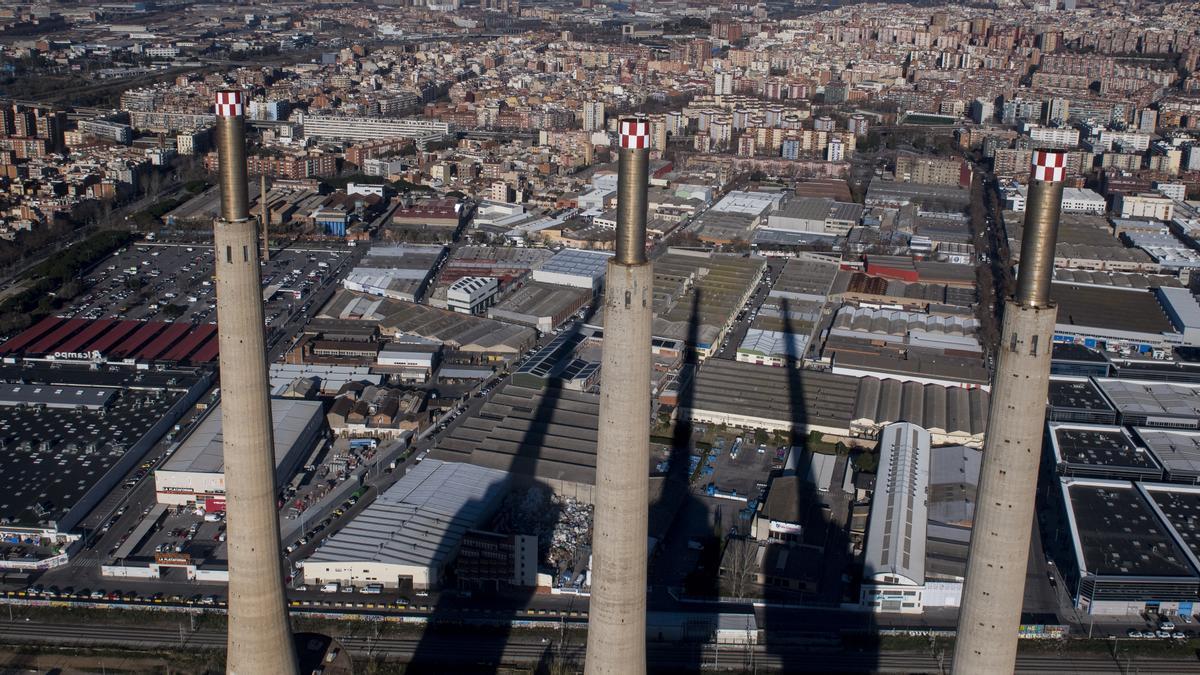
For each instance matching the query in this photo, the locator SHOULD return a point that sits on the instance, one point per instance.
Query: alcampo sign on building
(79, 356)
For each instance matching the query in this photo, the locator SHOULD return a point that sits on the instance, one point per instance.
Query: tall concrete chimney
(260, 639)
(993, 592)
(264, 217)
(616, 642)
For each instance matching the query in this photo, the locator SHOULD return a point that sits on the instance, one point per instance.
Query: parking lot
(184, 531)
(167, 282)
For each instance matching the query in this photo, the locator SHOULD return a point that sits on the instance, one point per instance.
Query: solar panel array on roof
(165, 340)
(189, 344)
(114, 335)
(576, 262)
(136, 340)
(29, 335)
(63, 332)
(81, 339)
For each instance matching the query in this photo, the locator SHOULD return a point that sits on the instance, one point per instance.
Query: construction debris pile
(562, 525)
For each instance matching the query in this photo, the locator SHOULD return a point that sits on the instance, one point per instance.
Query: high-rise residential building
(1147, 120)
(949, 171)
(1057, 111)
(658, 132)
(1019, 109)
(723, 83)
(369, 128)
(593, 115)
(835, 151)
(1054, 137)
(858, 125)
(982, 110)
(1193, 158)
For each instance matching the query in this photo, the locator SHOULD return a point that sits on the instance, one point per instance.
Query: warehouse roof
(1097, 448)
(895, 541)
(948, 410)
(580, 263)
(808, 279)
(421, 519)
(55, 396)
(1080, 394)
(953, 484)
(1117, 533)
(757, 391)
(899, 322)
(545, 433)
(332, 377)
(203, 450)
(536, 300)
(916, 364)
(1111, 308)
(1182, 304)
(54, 457)
(1178, 450)
(1178, 505)
(1152, 399)
(747, 202)
(773, 343)
(460, 331)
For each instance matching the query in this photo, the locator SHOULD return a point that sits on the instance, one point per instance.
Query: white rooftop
(591, 264)
(773, 343)
(751, 203)
(203, 452)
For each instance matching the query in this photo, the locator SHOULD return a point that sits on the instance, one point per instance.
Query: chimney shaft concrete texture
(264, 218)
(260, 638)
(999, 553)
(616, 642)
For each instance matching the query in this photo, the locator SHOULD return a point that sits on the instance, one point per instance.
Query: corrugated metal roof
(421, 519)
(896, 532)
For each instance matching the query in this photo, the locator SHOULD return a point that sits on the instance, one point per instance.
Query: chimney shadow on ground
(806, 569)
(470, 634)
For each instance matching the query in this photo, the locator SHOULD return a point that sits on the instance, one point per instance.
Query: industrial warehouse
(414, 529)
(195, 472)
(71, 434)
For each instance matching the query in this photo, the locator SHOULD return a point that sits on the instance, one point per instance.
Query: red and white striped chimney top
(1049, 165)
(635, 133)
(229, 104)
